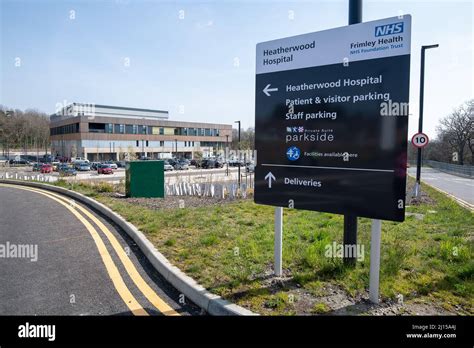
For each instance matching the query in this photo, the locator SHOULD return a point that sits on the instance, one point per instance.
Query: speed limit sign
(420, 140)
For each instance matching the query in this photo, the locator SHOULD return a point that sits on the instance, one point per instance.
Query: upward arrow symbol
(270, 177)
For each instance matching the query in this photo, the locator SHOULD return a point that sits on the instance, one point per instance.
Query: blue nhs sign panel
(389, 29)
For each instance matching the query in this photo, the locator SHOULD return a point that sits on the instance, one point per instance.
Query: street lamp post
(350, 220)
(420, 119)
(239, 153)
(227, 155)
(176, 145)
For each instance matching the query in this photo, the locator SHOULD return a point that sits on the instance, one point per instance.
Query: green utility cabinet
(145, 179)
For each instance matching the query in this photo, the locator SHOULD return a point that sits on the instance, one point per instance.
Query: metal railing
(465, 170)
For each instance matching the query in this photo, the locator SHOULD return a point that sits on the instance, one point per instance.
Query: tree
(130, 155)
(456, 130)
(23, 129)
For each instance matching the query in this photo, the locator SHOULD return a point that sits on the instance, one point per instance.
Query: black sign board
(331, 120)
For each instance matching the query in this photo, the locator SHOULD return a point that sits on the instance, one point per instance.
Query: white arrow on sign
(268, 89)
(270, 177)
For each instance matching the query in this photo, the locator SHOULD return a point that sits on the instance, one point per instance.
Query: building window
(147, 143)
(95, 128)
(162, 143)
(202, 131)
(110, 128)
(207, 132)
(122, 129)
(162, 131)
(143, 129)
(138, 143)
(129, 129)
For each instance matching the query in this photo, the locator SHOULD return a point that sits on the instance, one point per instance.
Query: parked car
(19, 162)
(121, 164)
(172, 162)
(55, 165)
(66, 170)
(105, 168)
(83, 167)
(168, 167)
(211, 163)
(36, 167)
(250, 168)
(94, 165)
(196, 163)
(181, 165)
(79, 159)
(46, 168)
(112, 164)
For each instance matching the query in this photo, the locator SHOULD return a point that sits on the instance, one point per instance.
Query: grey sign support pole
(375, 260)
(420, 119)
(278, 240)
(350, 220)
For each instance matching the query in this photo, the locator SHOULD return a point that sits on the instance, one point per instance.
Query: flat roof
(119, 107)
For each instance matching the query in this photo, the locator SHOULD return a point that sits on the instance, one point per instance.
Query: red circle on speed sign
(420, 140)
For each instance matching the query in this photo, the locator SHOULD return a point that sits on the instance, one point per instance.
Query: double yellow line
(110, 266)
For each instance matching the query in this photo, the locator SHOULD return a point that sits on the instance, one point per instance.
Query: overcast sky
(197, 58)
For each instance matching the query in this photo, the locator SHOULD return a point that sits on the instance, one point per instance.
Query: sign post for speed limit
(420, 140)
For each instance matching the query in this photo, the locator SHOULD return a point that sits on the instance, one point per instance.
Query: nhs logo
(389, 29)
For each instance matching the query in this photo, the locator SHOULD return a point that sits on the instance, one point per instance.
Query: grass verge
(228, 248)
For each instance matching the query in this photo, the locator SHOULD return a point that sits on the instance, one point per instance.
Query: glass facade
(136, 129)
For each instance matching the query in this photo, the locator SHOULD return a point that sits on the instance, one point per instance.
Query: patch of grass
(320, 308)
(170, 242)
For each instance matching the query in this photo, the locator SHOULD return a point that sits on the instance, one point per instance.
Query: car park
(104, 168)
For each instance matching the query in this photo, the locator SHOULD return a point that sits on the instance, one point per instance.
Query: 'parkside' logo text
(389, 29)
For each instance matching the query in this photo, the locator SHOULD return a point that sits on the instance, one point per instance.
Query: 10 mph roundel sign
(420, 140)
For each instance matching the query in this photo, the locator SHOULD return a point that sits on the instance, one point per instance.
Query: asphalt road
(460, 187)
(85, 265)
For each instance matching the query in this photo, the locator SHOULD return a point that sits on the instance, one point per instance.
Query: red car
(104, 169)
(46, 168)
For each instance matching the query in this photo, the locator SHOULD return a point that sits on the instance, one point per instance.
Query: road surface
(83, 265)
(459, 187)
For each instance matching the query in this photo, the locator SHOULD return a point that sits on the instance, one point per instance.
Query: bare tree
(456, 130)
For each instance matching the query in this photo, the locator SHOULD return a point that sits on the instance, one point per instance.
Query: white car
(168, 167)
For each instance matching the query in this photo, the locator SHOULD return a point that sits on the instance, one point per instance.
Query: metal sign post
(375, 261)
(278, 240)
